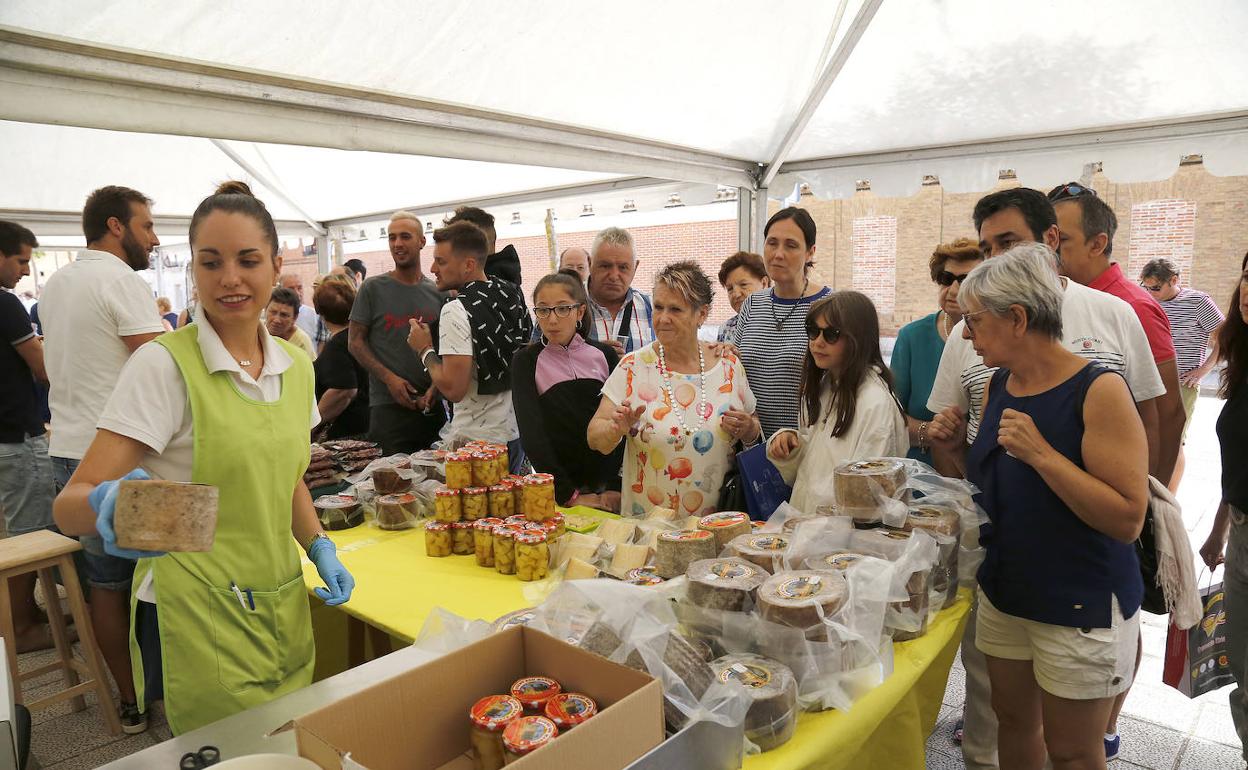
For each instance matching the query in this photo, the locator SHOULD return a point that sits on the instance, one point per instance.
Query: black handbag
(1146, 551)
(732, 493)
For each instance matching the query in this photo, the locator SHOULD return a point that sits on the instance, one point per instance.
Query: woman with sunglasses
(916, 355)
(849, 410)
(555, 384)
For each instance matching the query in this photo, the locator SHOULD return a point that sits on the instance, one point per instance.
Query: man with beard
(403, 413)
(96, 311)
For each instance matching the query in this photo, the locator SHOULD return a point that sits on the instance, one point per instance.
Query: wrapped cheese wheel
(458, 470)
(793, 522)
(837, 560)
(860, 487)
(771, 690)
(153, 515)
(725, 525)
(514, 618)
(762, 548)
(438, 541)
(724, 583)
(388, 481)
(802, 599)
(904, 620)
(686, 662)
(946, 525)
(396, 511)
(579, 569)
(677, 549)
(447, 505)
(483, 541)
(338, 511)
(489, 717)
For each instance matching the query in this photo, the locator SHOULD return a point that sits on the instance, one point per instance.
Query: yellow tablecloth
(397, 587)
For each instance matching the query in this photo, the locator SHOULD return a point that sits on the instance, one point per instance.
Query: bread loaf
(155, 515)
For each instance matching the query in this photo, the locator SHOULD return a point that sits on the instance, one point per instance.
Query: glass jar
(555, 527)
(437, 538)
(458, 470)
(502, 503)
(484, 471)
(539, 497)
(502, 460)
(517, 494)
(489, 717)
(505, 549)
(483, 541)
(526, 735)
(534, 691)
(476, 503)
(447, 505)
(532, 555)
(569, 709)
(462, 541)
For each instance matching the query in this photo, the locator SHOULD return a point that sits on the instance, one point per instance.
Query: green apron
(219, 656)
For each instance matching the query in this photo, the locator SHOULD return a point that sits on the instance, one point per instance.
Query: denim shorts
(26, 490)
(111, 573)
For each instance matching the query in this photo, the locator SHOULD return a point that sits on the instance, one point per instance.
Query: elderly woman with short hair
(1062, 463)
(680, 405)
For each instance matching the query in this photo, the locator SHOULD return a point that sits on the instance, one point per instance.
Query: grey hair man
(575, 258)
(621, 316)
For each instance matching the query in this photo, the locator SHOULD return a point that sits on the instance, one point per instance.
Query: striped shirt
(604, 328)
(771, 336)
(1193, 317)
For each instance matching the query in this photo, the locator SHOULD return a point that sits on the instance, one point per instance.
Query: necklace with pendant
(781, 321)
(244, 361)
(948, 327)
(702, 408)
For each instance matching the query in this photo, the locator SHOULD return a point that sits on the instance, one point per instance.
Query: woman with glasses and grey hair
(555, 384)
(1062, 462)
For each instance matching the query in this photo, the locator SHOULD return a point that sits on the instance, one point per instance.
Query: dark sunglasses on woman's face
(561, 311)
(830, 335)
(946, 278)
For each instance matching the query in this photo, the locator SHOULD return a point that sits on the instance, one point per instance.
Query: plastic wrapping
(765, 549)
(868, 490)
(338, 512)
(400, 511)
(771, 690)
(913, 555)
(945, 525)
(726, 583)
(802, 599)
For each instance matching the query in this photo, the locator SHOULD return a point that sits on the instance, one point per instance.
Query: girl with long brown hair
(848, 408)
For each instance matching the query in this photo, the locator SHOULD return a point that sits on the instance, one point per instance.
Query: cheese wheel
(762, 548)
(944, 522)
(687, 663)
(725, 525)
(771, 690)
(678, 548)
(338, 511)
(387, 481)
(155, 515)
(802, 598)
(860, 487)
(903, 620)
(515, 618)
(724, 584)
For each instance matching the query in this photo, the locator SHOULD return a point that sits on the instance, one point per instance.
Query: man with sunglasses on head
(1095, 325)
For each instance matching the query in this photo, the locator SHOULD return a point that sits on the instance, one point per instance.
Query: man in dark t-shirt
(25, 469)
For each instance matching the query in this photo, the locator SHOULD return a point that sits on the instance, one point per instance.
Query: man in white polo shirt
(1095, 325)
(96, 311)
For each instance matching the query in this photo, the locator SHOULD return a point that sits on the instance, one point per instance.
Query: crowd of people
(1045, 376)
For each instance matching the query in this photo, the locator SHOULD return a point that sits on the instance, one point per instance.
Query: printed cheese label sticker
(745, 674)
(727, 569)
(769, 543)
(802, 587)
(685, 534)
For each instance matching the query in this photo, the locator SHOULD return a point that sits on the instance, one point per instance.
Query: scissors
(194, 760)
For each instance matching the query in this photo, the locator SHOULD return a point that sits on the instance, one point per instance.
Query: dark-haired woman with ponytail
(562, 375)
(849, 410)
(218, 402)
(770, 334)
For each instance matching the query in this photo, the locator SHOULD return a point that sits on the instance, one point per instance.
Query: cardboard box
(419, 719)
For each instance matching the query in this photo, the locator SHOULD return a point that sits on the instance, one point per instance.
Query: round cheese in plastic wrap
(802, 599)
(724, 584)
(762, 548)
(904, 620)
(837, 560)
(396, 511)
(945, 524)
(515, 618)
(677, 549)
(771, 690)
(338, 511)
(861, 486)
(725, 525)
(387, 480)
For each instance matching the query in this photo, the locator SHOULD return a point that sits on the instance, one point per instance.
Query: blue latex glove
(339, 583)
(103, 500)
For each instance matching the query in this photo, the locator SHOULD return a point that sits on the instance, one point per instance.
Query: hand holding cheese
(103, 500)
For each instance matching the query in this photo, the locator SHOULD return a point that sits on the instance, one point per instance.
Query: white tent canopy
(357, 108)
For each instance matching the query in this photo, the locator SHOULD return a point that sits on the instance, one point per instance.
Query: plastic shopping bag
(1196, 661)
(764, 487)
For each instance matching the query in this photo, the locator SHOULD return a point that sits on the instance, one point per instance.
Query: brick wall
(1162, 229)
(874, 249)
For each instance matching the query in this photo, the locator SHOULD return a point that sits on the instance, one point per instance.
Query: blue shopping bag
(762, 483)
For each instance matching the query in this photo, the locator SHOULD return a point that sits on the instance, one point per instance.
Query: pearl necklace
(703, 407)
(948, 327)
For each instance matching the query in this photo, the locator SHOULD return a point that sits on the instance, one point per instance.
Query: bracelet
(923, 436)
(428, 352)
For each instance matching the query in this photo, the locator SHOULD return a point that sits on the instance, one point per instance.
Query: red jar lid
(534, 691)
(570, 708)
(494, 712)
(528, 734)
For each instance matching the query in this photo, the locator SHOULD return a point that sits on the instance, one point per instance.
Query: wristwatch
(312, 542)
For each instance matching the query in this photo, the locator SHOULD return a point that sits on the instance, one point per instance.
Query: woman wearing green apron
(219, 402)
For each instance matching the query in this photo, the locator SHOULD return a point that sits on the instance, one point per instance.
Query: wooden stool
(40, 552)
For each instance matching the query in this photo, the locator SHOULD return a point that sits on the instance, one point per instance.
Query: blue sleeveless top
(1043, 563)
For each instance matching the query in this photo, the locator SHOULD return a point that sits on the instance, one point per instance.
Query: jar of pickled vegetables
(476, 503)
(532, 554)
(526, 735)
(502, 503)
(568, 709)
(447, 505)
(462, 541)
(437, 538)
(505, 549)
(555, 527)
(483, 541)
(490, 716)
(533, 692)
(539, 497)
(458, 470)
(484, 470)
(502, 460)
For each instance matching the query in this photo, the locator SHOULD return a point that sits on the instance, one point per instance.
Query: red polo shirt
(1154, 320)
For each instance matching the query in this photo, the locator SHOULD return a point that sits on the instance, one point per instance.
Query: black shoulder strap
(627, 323)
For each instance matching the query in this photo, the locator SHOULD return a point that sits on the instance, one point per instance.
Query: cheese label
(728, 569)
(769, 543)
(745, 674)
(842, 561)
(723, 519)
(801, 587)
(685, 534)
(894, 534)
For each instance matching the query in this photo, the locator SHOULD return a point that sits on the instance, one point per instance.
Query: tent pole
(760, 218)
(745, 218)
(323, 265)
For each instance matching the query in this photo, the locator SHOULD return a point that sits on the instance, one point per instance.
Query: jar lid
(488, 523)
(531, 537)
(403, 498)
(498, 488)
(528, 734)
(518, 518)
(534, 691)
(334, 501)
(437, 526)
(444, 492)
(723, 519)
(506, 530)
(462, 524)
(458, 457)
(538, 479)
(556, 519)
(475, 490)
(494, 712)
(570, 708)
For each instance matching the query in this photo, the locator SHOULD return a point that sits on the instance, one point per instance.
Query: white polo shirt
(151, 405)
(86, 308)
(1095, 325)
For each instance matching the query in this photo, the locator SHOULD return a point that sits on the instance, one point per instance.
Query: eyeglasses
(1070, 190)
(1151, 288)
(561, 311)
(946, 278)
(966, 319)
(829, 334)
